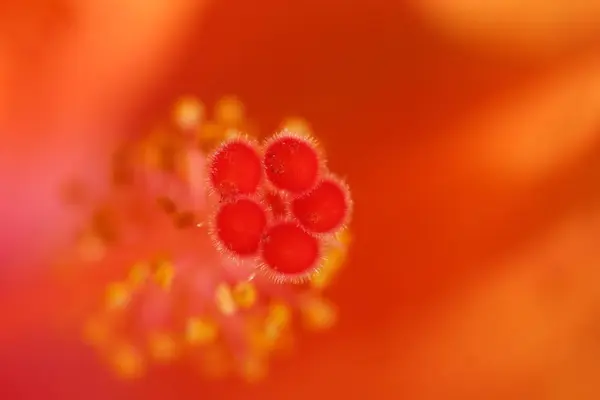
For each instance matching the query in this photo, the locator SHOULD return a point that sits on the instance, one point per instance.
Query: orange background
(390, 97)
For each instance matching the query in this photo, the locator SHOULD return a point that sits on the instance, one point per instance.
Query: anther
(200, 331)
(244, 294)
(224, 299)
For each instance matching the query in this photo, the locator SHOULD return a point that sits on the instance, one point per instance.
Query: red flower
(472, 158)
(195, 263)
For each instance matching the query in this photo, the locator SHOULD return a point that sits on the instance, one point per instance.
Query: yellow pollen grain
(280, 313)
(344, 237)
(278, 318)
(285, 343)
(200, 331)
(318, 314)
(336, 259)
(224, 299)
(188, 113)
(163, 347)
(270, 339)
(259, 341)
(244, 294)
(229, 111)
(322, 279)
(272, 333)
(139, 273)
(233, 133)
(297, 125)
(164, 274)
(127, 362)
(211, 131)
(118, 295)
(333, 262)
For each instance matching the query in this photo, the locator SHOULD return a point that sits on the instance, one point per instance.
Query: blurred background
(468, 131)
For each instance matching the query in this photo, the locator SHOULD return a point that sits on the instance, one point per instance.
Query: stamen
(244, 294)
(223, 296)
(229, 111)
(117, 296)
(298, 125)
(318, 314)
(224, 300)
(139, 273)
(279, 315)
(335, 258)
(200, 331)
(188, 113)
(164, 274)
(127, 362)
(163, 348)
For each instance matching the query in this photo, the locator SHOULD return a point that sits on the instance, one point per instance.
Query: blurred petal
(68, 92)
(525, 326)
(530, 135)
(516, 26)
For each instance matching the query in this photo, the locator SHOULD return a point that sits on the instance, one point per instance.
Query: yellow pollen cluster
(155, 310)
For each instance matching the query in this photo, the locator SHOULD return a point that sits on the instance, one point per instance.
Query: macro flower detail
(292, 162)
(289, 250)
(235, 168)
(211, 247)
(239, 226)
(326, 208)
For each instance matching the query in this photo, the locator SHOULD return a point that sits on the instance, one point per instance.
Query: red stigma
(291, 162)
(239, 226)
(289, 251)
(325, 208)
(171, 289)
(235, 168)
(277, 204)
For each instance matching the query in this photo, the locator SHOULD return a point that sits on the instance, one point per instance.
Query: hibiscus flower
(472, 164)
